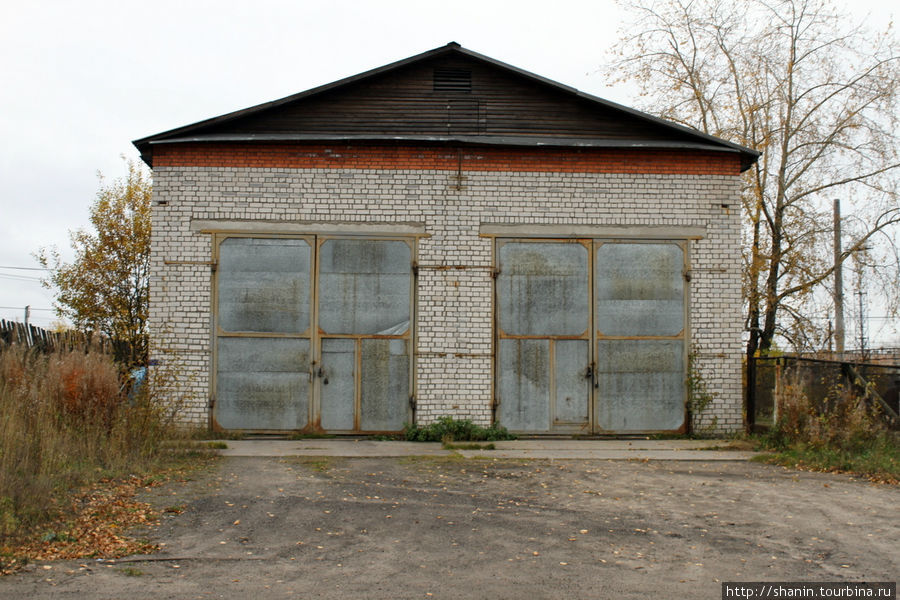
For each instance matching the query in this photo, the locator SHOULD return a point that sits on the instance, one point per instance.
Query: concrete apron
(632, 449)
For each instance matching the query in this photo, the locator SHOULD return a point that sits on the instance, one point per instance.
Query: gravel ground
(448, 527)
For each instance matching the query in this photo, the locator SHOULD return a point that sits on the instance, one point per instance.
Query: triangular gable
(446, 95)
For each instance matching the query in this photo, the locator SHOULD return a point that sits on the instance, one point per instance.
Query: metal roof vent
(452, 80)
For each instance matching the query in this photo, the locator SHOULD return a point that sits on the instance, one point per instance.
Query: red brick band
(342, 156)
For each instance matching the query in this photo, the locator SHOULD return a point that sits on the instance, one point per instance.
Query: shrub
(840, 420)
(448, 429)
(66, 420)
(838, 432)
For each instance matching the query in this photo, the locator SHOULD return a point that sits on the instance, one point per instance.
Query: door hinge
(412, 402)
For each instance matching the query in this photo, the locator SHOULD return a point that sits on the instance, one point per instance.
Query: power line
(867, 317)
(20, 277)
(26, 268)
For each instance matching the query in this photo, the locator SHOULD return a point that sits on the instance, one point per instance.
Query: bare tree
(818, 96)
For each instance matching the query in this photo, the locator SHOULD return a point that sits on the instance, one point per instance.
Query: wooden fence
(32, 336)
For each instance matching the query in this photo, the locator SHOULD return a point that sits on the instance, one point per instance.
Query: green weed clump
(448, 429)
(66, 420)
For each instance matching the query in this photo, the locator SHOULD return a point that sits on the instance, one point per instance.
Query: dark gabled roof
(444, 96)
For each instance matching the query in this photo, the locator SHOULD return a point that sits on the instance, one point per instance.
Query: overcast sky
(80, 79)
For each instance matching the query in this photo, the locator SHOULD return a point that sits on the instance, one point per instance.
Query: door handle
(323, 376)
(589, 374)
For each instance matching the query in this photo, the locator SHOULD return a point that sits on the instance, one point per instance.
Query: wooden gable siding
(404, 102)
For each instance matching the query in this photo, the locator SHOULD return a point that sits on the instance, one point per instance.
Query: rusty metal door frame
(313, 333)
(591, 335)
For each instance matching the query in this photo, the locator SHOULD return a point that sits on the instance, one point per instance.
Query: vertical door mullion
(214, 334)
(593, 389)
(315, 342)
(686, 328)
(357, 387)
(551, 357)
(413, 325)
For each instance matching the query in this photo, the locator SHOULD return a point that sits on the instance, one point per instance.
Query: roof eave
(468, 140)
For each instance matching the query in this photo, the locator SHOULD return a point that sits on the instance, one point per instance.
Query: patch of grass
(312, 436)
(175, 509)
(320, 464)
(54, 536)
(131, 572)
(224, 435)
(448, 429)
(876, 458)
(705, 434)
(205, 433)
(432, 460)
(182, 444)
(468, 446)
(734, 444)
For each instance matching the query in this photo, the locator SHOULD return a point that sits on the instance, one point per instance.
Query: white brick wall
(454, 312)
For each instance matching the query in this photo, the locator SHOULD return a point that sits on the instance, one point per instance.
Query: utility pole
(838, 282)
(27, 314)
(862, 325)
(861, 293)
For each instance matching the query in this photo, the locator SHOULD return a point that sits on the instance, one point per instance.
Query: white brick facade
(454, 312)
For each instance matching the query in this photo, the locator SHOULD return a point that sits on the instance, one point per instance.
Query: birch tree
(818, 96)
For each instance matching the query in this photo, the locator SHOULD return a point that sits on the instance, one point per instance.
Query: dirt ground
(437, 527)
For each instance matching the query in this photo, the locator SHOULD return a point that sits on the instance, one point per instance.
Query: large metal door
(365, 300)
(313, 334)
(639, 317)
(590, 336)
(263, 333)
(543, 327)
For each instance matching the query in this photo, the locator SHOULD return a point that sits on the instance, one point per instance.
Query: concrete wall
(457, 198)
